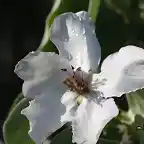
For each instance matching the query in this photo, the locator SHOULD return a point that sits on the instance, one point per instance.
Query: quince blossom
(66, 88)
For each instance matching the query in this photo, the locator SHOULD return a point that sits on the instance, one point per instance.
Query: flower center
(75, 82)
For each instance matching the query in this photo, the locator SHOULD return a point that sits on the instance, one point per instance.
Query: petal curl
(124, 71)
(44, 114)
(74, 36)
(90, 120)
(40, 71)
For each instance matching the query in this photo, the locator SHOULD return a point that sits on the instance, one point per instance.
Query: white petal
(43, 81)
(44, 114)
(124, 71)
(69, 100)
(91, 119)
(74, 35)
(40, 70)
(36, 64)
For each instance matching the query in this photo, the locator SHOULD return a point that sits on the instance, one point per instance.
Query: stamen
(76, 82)
(79, 69)
(64, 69)
(72, 67)
(82, 80)
(73, 71)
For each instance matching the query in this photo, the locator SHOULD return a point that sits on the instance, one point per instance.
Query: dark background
(21, 29)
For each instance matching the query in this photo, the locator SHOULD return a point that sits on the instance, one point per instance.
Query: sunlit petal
(90, 120)
(74, 35)
(124, 71)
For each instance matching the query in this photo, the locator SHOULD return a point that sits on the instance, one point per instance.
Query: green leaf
(136, 102)
(136, 105)
(111, 131)
(136, 130)
(134, 118)
(126, 117)
(18, 98)
(16, 126)
(64, 137)
(139, 122)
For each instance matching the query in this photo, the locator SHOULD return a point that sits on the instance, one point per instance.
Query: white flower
(70, 78)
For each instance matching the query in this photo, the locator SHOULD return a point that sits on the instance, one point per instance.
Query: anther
(79, 69)
(72, 67)
(64, 69)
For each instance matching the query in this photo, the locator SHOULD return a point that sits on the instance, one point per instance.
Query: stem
(93, 9)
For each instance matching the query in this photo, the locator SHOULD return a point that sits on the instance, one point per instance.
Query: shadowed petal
(44, 114)
(124, 71)
(36, 64)
(40, 71)
(43, 77)
(74, 36)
